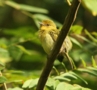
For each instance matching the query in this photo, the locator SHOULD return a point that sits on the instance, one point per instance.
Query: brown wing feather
(54, 34)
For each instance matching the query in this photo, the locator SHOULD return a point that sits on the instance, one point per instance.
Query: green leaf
(16, 88)
(1, 66)
(25, 7)
(62, 78)
(85, 39)
(21, 32)
(27, 83)
(84, 63)
(93, 62)
(15, 52)
(92, 69)
(33, 83)
(2, 79)
(76, 29)
(4, 56)
(3, 52)
(94, 33)
(23, 49)
(90, 72)
(79, 77)
(1, 2)
(77, 87)
(56, 82)
(15, 76)
(33, 9)
(91, 6)
(76, 42)
(64, 86)
(90, 36)
(50, 82)
(68, 75)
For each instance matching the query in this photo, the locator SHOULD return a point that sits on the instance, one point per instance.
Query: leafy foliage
(91, 6)
(22, 58)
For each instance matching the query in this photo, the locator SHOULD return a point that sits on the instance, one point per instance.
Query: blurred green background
(20, 48)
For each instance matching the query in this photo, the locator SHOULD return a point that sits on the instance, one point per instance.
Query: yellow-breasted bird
(48, 34)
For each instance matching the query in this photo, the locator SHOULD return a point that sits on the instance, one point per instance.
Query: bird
(48, 34)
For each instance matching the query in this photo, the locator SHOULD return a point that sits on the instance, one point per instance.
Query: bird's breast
(47, 42)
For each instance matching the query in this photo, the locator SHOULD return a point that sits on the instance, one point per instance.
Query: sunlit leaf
(62, 78)
(4, 56)
(27, 83)
(84, 63)
(3, 43)
(15, 76)
(25, 7)
(32, 9)
(90, 36)
(94, 33)
(1, 66)
(50, 82)
(1, 2)
(91, 6)
(2, 79)
(3, 53)
(90, 72)
(64, 86)
(16, 88)
(56, 84)
(33, 83)
(85, 39)
(77, 87)
(68, 75)
(76, 29)
(92, 68)
(93, 62)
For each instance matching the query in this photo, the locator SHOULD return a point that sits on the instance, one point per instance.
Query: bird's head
(47, 25)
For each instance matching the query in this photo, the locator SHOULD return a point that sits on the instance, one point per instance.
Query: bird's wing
(54, 34)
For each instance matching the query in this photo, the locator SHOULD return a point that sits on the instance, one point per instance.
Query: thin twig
(4, 84)
(69, 3)
(65, 29)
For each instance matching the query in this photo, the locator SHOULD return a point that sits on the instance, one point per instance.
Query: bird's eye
(48, 24)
